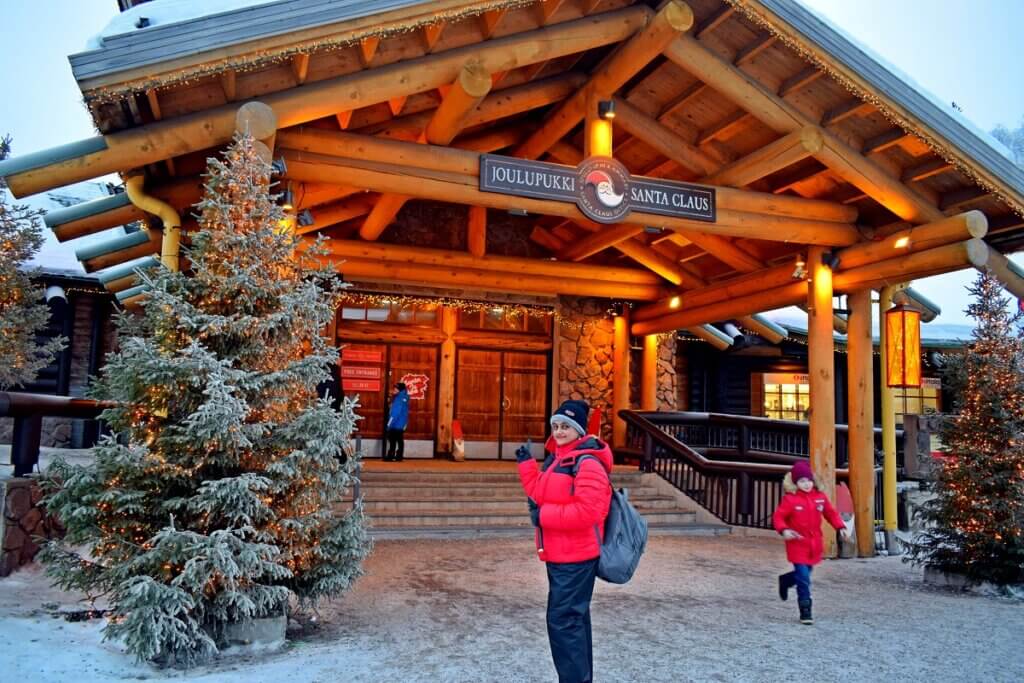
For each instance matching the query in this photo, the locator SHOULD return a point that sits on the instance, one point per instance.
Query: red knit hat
(801, 470)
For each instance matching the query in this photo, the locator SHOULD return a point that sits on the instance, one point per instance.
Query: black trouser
(395, 441)
(570, 587)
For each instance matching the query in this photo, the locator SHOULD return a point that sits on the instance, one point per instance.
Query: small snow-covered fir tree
(976, 520)
(23, 313)
(221, 495)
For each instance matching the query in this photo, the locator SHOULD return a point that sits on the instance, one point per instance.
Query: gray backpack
(625, 536)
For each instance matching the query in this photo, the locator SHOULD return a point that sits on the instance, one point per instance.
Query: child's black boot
(805, 612)
(786, 581)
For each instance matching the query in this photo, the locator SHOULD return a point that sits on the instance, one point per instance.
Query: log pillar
(620, 376)
(649, 374)
(860, 401)
(446, 381)
(888, 424)
(821, 370)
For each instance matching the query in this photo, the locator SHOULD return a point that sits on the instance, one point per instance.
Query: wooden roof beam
(229, 85)
(754, 49)
(431, 33)
(589, 6)
(547, 9)
(782, 117)
(838, 114)
(469, 89)
(1009, 274)
(958, 199)
(941, 259)
(661, 138)
(730, 123)
(884, 141)
(627, 60)
(332, 214)
(489, 21)
(464, 189)
(598, 241)
(137, 147)
(800, 80)
(784, 152)
(925, 170)
(546, 239)
(300, 67)
(720, 16)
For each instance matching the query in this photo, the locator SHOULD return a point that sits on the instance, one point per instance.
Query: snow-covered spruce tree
(22, 311)
(976, 520)
(221, 494)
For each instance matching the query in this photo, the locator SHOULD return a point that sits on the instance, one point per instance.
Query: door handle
(506, 403)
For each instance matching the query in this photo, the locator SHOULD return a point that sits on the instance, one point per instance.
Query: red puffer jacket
(571, 522)
(802, 512)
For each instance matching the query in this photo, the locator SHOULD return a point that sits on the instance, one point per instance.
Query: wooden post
(649, 376)
(620, 376)
(860, 402)
(821, 370)
(888, 424)
(476, 231)
(446, 381)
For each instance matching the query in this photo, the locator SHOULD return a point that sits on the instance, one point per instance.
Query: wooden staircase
(458, 503)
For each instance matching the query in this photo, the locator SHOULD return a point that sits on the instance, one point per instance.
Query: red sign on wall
(416, 385)
(360, 384)
(360, 356)
(363, 371)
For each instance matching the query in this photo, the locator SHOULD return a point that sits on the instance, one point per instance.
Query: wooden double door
(501, 400)
(370, 370)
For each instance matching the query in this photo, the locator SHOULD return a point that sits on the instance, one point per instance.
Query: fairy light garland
(888, 112)
(262, 59)
(468, 305)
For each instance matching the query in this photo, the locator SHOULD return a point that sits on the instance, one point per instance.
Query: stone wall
(22, 521)
(667, 376)
(585, 355)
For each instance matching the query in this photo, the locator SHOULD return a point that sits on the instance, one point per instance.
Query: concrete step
(626, 479)
(509, 504)
(454, 491)
(487, 518)
(471, 532)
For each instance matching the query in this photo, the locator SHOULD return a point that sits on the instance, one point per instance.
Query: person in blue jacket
(398, 418)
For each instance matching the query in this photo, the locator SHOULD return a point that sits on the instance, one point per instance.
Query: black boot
(805, 612)
(785, 583)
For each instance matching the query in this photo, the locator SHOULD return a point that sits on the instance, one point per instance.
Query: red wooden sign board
(360, 384)
(362, 371)
(360, 356)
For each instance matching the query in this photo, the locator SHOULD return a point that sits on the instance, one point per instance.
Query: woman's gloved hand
(523, 452)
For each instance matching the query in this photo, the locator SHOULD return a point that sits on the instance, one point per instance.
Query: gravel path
(699, 609)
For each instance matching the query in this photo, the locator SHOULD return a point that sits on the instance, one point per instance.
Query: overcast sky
(968, 53)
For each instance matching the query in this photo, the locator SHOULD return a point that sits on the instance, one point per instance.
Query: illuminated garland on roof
(262, 59)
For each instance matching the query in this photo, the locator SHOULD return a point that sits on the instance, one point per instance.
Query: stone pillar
(22, 520)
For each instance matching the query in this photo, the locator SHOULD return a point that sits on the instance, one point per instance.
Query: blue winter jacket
(398, 418)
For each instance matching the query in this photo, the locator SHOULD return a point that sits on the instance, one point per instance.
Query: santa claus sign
(416, 385)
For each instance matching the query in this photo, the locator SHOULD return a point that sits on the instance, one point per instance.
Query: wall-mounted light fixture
(288, 198)
(606, 110)
(830, 259)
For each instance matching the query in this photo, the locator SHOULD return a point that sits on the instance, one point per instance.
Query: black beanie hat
(574, 414)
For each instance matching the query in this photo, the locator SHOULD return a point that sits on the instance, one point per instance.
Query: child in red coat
(798, 519)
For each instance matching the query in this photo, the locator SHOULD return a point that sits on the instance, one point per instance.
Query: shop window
(407, 314)
(502, 320)
(786, 396)
(918, 400)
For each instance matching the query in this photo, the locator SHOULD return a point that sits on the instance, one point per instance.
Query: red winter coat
(802, 512)
(571, 524)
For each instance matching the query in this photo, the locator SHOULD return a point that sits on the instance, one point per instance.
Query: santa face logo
(603, 188)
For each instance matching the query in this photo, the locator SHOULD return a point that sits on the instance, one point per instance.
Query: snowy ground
(700, 609)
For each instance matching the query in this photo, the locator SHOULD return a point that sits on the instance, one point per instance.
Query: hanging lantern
(903, 347)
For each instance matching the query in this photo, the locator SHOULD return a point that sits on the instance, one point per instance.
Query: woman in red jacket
(798, 519)
(569, 514)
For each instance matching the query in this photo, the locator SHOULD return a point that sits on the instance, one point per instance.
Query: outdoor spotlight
(674, 303)
(278, 166)
(901, 242)
(800, 268)
(305, 218)
(830, 259)
(606, 109)
(288, 198)
(518, 212)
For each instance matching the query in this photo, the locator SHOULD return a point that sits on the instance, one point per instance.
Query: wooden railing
(738, 484)
(28, 411)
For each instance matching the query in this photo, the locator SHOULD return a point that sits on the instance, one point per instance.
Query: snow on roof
(163, 12)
